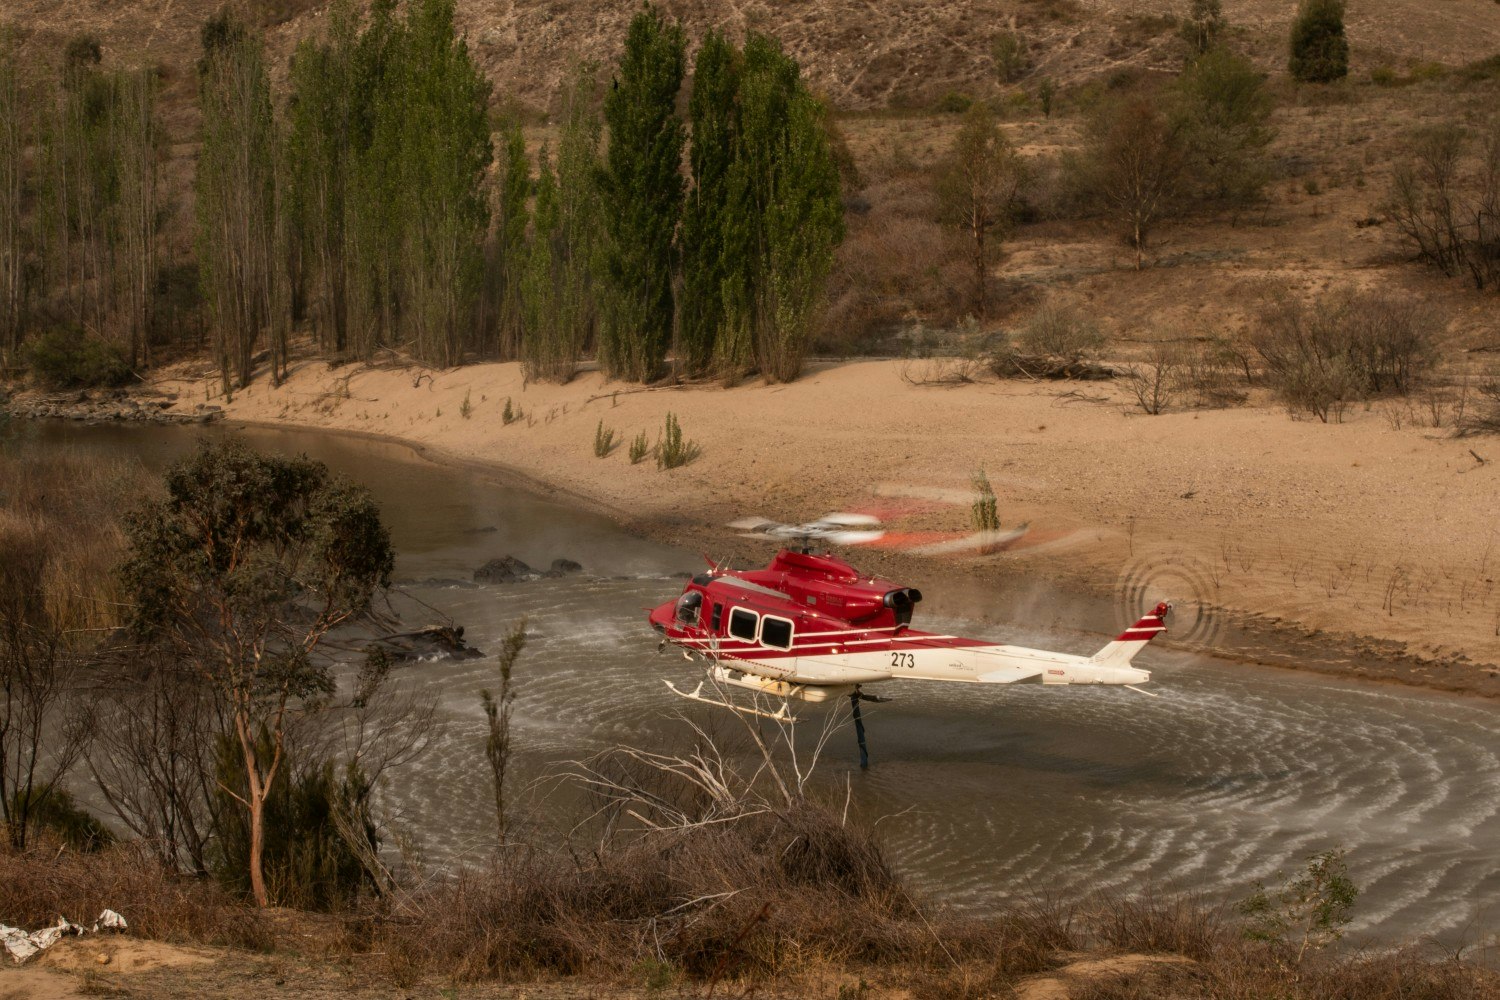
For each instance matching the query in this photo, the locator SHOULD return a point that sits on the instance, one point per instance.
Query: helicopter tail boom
(1122, 650)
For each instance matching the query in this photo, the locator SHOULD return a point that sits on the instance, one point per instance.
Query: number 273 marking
(906, 660)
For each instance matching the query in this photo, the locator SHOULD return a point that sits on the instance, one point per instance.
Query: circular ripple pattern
(1184, 581)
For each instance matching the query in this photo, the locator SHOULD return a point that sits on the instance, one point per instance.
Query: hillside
(862, 55)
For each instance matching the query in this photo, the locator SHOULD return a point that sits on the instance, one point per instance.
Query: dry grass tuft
(1153, 924)
(42, 882)
(758, 895)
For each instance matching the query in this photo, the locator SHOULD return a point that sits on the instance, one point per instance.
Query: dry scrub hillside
(863, 55)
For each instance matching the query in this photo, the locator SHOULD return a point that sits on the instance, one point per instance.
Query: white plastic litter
(22, 945)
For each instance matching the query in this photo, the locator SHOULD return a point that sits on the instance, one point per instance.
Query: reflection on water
(1231, 775)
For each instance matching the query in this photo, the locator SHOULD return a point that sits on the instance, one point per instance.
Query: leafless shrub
(1211, 374)
(1450, 215)
(1341, 348)
(1061, 331)
(59, 538)
(1056, 342)
(1154, 382)
(1483, 416)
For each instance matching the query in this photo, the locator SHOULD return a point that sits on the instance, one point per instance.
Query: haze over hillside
(862, 55)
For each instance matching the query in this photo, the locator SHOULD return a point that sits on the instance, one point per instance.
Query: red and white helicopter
(812, 627)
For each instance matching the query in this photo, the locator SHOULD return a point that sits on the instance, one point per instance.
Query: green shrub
(68, 358)
(511, 413)
(984, 511)
(604, 440)
(673, 450)
(954, 103)
(639, 449)
(1009, 53)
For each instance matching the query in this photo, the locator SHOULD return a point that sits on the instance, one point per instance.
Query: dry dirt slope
(863, 54)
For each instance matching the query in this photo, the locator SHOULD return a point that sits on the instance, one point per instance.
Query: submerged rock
(435, 642)
(562, 567)
(506, 569)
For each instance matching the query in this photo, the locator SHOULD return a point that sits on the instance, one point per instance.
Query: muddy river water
(1232, 774)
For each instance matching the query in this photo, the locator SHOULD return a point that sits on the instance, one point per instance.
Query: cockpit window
(776, 632)
(688, 606)
(742, 624)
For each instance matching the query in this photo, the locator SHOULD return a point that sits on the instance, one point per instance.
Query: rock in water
(506, 569)
(561, 567)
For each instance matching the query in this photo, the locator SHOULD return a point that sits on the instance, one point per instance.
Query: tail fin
(1131, 641)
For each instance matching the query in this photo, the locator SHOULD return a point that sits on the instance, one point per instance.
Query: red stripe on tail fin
(1148, 626)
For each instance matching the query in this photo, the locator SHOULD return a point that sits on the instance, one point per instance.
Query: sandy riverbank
(1353, 535)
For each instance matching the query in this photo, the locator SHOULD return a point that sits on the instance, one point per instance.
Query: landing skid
(782, 714)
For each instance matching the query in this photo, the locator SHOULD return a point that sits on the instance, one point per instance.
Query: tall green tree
(641, 191)
(1319, 48)
(12, 183)
(372, 203)
(321, 123)
(713, 112)
(238, 229)
(434, 122)
(566, 255)
(977, 188)
(242, 567)
(787, 217)
(544, 356)
(81, 185)
(508, 263)
(137, 143)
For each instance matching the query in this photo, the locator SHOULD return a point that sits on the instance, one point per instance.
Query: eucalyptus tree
(241, 568)
(977, 187)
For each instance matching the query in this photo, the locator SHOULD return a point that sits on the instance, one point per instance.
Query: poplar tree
(642, 197)
(238, 229)
(81, 185)
(372, 199)
(564, 259)
(12, 164)
(513, 193)
(137, 143)
(541, 339)
(787, 216)
(321, 119)
(713, 112)
(434, 122)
